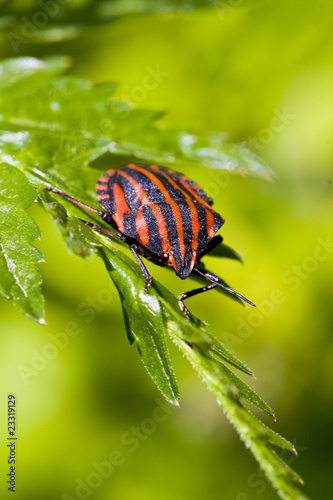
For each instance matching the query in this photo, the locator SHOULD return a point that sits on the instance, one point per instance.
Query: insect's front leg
(218, 282)
(191, 293)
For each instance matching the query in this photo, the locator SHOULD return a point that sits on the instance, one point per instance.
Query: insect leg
(214, 242)
(106, 217)
(146, 273)
(105, 231)
(191, 293)
(215, 279)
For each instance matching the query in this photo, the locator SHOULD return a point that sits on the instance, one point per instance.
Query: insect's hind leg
(103, 215)
(107, 218)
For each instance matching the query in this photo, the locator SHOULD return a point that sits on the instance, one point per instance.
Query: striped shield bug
(164, 217)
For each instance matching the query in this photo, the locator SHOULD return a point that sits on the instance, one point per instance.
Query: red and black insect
(164, 217)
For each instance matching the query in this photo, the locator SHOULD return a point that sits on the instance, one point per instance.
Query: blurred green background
(263, 72)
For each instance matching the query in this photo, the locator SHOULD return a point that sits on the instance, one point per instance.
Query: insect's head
(182, 260)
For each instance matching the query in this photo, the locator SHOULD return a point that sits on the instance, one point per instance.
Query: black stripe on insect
(164, 217)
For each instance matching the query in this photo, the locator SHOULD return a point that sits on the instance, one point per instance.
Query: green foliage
(54, 127)
(20, 278)
(47, 22)
(93, 11)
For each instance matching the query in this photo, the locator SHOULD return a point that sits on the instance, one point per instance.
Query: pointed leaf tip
(144, 321)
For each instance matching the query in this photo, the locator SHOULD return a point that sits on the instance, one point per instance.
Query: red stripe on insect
(103, 178)
(143, 198)
(142, 228)
(192, 191)
(103, 197)
(174, 207)
(102, 187)
(193, 212)
(210, 223)
(121, 206)
(210, 217)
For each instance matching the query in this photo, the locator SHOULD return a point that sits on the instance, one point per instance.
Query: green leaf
(16, 74)
(257, 437)
(200, 347)
(66, 20)
(53, 129)
(73, 123)
(144, 324)
(19, 276)
(225, 251)
(76, 234)
(219, 351)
